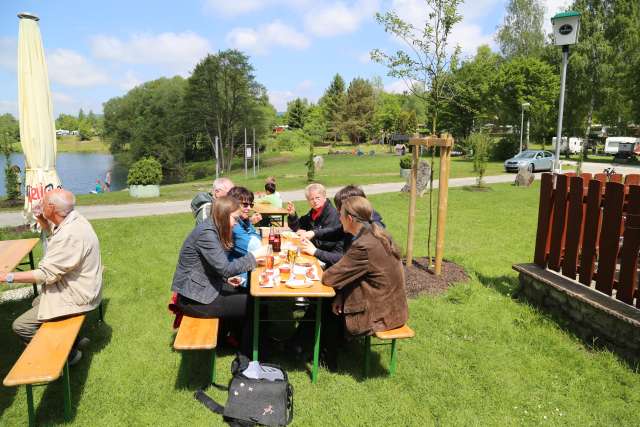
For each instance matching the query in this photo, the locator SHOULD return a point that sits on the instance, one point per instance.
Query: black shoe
(329, 359)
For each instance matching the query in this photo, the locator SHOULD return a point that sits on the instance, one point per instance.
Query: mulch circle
(421, 280)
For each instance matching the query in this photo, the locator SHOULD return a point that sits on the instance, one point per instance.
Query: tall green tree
(9, 136)
(332, 103)
(222, 98)
(521, 33)
(297, 111)
(359, 107)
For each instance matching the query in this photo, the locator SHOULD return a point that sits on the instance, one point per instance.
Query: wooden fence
(589, 229)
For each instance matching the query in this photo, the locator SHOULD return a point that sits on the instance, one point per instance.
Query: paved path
(9, 219)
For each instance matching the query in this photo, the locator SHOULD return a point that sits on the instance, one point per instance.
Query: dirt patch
(421, 280)
(476, 188)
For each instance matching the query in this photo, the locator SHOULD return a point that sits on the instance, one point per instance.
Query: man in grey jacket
(70, 272)
(201, 203)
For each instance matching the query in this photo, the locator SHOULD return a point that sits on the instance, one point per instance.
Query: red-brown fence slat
(632, 179)
(628, 281)
(559, 226)
(616, 177)
(590, 232)
(602, 177)
(545, 211)
(586, 177)
(609, 236)
(575, 214)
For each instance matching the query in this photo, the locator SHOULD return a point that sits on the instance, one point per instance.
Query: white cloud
(304, 86)
(262, 39)
(9, 107)
(69, 68)
(339, 18)
(233, 8)
(398, 86)
(552, 7)
(177, 51)
(130, 81)
(364, 58)
(280, 98)
(8, 53)
(62, 98)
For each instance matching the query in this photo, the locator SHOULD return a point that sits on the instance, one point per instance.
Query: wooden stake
(412, 205)
(443, 198)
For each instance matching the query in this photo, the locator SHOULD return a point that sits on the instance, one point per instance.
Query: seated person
(203, 270)
(70, 271)
(201, 202)
(335, 233)
(369, 279)
(272, 196)
(245, 236)
(321, 216)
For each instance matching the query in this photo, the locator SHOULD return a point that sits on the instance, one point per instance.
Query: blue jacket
(203, 265)
(245, 238)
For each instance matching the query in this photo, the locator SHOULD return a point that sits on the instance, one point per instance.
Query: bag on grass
(259, 393)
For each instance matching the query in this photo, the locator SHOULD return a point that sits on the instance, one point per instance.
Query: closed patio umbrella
(37, 128)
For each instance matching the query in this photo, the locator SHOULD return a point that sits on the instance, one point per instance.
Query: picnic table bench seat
(197, 333)
(403, 332)
(45, 360)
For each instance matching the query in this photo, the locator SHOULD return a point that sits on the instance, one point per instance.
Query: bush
(405, 163)
(289, 140)
(506, 148)
(147, 171)
(199, 170)
(12, 182)
(481, 144)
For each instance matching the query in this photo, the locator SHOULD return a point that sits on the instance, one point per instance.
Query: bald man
(70, 272)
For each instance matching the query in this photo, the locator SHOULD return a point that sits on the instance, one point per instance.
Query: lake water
(78, 171)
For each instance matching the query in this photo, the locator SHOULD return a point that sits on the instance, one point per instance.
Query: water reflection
(78, 171)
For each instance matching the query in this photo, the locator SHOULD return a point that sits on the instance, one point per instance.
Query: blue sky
(100, 49)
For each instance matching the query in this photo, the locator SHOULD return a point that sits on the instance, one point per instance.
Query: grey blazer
(203, 266)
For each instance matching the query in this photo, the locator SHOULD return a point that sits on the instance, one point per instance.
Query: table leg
(32, 265)
(316, 341)
(256, 327)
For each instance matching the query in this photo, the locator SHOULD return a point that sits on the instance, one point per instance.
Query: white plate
(294, 284)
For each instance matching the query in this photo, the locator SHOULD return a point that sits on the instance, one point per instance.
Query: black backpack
(254, 401)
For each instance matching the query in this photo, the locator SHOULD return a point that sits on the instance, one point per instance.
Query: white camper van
(573, 145)
(612, 143)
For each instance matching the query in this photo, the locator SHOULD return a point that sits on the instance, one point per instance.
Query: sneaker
(83, 343)
(75, 357)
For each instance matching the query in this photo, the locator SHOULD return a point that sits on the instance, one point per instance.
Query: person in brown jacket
(369, 279)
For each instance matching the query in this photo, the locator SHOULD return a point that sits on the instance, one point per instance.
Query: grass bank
(479, 357)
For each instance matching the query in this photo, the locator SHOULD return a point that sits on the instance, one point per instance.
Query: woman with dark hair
(245, 236)
(203, 270)
(369, 279)
(272, 196)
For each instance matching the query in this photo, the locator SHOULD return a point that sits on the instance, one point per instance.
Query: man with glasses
(70, 272)
(202, 202)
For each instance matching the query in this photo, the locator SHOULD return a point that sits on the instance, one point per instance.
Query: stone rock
(524, 178)
(422, 182)
(318, 162)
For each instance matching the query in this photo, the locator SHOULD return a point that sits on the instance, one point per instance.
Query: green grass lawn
(72, 144)
(479, 357)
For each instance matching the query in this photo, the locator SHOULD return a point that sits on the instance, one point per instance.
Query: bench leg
(394, 358)
(367, 355)
(66, 391)
(30, 408)
(256, 327)
(316, 341)
(213, 366)
(100, 314)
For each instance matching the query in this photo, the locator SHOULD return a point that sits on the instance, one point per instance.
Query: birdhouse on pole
(566, 26)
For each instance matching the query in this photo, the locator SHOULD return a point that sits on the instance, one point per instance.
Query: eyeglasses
(247, 204)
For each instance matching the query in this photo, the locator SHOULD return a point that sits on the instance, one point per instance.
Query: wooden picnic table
(267, 209)
(12, 252)
(316, 291)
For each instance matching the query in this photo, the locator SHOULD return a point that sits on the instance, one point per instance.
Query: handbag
(259, 394)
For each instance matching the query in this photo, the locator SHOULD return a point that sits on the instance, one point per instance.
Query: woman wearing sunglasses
(245, 236)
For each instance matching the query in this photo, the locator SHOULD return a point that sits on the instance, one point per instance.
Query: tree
(521, 33)
(481, 144)
(9, 135)
(333, 105)
(297, 111)
(315, 129)
(424, 66)
(222, 98)
(67, 122)
(359, 106)
(527, 79)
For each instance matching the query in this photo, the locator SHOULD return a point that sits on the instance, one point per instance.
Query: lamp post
(566, 26)
(525, 106)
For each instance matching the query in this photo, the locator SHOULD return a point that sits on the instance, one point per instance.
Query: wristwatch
(9, 278)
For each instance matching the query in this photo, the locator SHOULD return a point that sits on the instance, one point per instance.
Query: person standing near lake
(107, 181)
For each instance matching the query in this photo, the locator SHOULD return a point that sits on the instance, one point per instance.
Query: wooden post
(412, 205)
(443, 198)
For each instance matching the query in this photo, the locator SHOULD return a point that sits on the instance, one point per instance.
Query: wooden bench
(198, 334)
(402, 332)
(45, 359)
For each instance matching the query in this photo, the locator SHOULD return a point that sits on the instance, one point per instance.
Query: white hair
(315, 187)
(222, 184)
(63, 200)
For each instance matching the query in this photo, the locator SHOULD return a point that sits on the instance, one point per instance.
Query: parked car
(535, 160)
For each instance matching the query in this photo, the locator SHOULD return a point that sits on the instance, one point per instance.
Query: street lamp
(566, 26)
(525, 106)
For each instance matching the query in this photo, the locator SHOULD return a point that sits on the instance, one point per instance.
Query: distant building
(280, 128)
(61, 132)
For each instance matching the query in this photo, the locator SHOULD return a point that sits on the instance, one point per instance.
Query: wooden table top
(13, 251)
(269, 209)
(317, 290)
